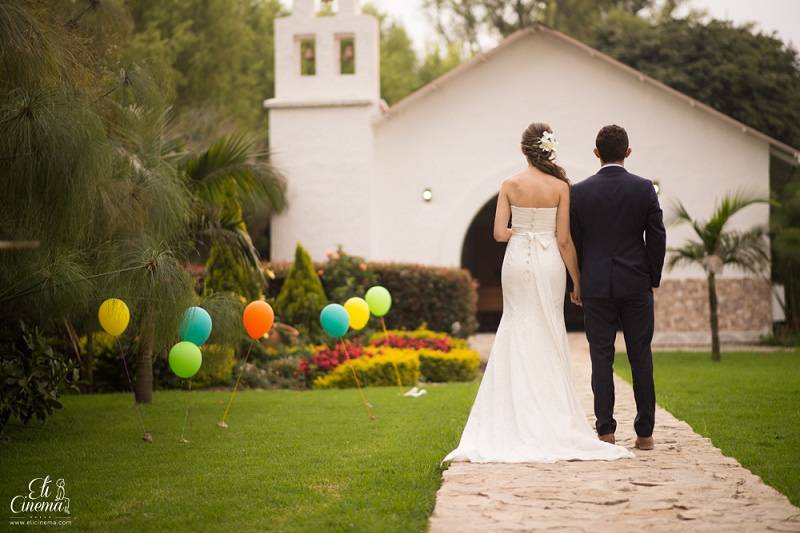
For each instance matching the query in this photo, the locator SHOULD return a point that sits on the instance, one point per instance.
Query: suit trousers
(602, 316)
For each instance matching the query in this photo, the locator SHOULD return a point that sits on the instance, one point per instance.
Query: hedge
(441, 298)
(455, 365)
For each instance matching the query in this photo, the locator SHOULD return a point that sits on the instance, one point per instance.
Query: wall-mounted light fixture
(427, 194)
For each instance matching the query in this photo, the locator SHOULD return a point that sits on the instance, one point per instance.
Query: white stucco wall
(462, 141)
(327, 155)
(321, 132)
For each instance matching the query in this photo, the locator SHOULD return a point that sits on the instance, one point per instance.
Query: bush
(279, 373)
(217, 367)
(443, 298)
(374, 370)
(33, 374)
(345, 276)
(302, 297)
(455, 365)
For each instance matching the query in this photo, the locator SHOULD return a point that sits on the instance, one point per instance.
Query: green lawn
(748, 405)
(290, 461)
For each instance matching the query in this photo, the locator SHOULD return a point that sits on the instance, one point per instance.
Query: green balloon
(185, 359)
(379, 300)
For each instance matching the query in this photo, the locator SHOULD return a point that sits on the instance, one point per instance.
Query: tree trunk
(89, 363)
(143, 386)
(714, 316)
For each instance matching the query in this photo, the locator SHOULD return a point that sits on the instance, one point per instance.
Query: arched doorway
(483, 257)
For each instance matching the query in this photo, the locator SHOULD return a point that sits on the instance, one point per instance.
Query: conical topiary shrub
(302, 297)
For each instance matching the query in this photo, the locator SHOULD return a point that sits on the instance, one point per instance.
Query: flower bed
(419, 354)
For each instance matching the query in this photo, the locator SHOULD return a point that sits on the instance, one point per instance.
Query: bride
(526, 409)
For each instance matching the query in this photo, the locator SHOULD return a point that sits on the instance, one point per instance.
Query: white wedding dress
(526, 409)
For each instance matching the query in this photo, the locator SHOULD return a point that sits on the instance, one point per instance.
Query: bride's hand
(575, 295)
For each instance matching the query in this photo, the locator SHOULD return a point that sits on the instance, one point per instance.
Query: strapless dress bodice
(533, 219)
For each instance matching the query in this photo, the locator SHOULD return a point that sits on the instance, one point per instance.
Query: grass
(290, 461)
(748, 405)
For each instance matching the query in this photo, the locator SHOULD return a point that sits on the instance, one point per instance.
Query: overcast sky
(782, 16)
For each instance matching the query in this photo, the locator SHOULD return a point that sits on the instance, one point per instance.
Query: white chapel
(416, 182)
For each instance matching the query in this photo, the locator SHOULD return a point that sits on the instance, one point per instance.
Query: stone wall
(681, 308)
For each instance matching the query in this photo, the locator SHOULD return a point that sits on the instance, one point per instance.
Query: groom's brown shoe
(609, 438)
(645, 443)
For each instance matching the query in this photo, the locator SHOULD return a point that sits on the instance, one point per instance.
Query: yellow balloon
(114, 316)
(358, 311)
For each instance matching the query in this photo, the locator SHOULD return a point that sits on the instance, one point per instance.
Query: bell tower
(327, 94)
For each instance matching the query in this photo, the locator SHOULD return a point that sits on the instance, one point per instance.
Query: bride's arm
(565, 244)
(501, 230)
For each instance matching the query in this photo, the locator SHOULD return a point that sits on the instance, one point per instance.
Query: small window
(308, 56)
(347, 55)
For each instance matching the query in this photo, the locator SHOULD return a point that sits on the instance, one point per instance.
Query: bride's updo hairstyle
(539, 156)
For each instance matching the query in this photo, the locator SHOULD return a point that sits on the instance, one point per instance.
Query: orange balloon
(258, 318)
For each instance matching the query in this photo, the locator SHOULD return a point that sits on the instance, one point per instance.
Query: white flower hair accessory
(548, 143)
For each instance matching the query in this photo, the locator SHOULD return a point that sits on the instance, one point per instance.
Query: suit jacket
(618, 229)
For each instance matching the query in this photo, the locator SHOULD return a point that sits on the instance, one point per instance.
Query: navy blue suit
(618, 229)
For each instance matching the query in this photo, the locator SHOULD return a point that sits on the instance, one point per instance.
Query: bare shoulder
(560, 186)
(511, 183)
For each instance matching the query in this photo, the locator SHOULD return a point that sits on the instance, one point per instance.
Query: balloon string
(358, 383)
(238, 379)
(136, 405)
(186, 416)
(394, 363)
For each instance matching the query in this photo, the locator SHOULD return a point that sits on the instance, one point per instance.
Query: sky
(782, 16)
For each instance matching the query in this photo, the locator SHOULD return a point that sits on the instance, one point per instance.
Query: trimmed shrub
(373, 371)
(226, 273)
(302, 297)
(217, 367)
(455, 365)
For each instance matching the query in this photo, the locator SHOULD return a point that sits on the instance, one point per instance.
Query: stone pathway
(685, 484)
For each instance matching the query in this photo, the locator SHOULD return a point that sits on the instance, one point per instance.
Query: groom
(619, 235)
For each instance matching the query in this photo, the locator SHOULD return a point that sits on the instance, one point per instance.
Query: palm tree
(717, 247)
(230, 172)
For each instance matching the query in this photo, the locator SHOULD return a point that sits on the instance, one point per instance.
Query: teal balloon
(185, 359)
(196, 326)
(334, 320)
(379, 300)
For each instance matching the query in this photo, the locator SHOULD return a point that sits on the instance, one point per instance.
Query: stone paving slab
(685, 484)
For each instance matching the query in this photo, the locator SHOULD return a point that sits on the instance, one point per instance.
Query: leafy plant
(717, 247)
(33, 373)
